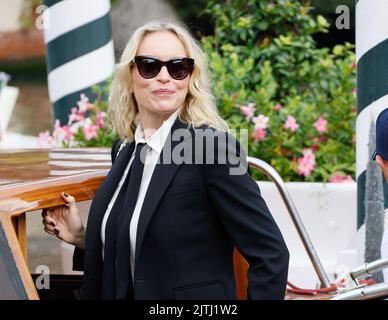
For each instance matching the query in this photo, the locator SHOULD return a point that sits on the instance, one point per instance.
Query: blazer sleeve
(79, 254)
(248, 221)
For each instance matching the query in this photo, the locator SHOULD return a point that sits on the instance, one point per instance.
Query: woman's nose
(163, 75)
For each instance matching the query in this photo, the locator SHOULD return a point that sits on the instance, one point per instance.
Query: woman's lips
(163, 92)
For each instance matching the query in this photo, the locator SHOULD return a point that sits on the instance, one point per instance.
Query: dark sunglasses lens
(148, 68)
(179, 69)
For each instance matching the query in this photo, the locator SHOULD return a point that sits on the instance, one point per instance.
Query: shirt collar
(158, 138)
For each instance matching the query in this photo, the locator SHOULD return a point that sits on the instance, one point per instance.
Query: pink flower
(248, 110)
(67, 133)
(258, 134)
(75, 116)
(100, 119)
(45, 140)
(90, 131)
(84, 104)
(278, 107)
(261, 121)
(338, 177)
(306, 164)
(321, 125)
(291, 124)
(62, 133)
(57, 129)
(353, 65)
(354, 91)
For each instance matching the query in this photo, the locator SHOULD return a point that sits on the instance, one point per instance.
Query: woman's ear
(380, 161)
(383, 165)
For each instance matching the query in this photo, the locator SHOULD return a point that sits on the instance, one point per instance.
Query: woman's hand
(65, 223)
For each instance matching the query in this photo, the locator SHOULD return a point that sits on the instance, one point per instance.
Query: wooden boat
(31, 180)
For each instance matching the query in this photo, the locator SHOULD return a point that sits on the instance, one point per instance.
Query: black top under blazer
(192, 217)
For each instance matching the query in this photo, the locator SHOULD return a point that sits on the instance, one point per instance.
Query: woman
(159, 227)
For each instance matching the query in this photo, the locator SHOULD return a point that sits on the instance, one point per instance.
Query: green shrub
(263, 59)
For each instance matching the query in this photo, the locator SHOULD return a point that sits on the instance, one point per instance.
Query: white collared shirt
(155, 145)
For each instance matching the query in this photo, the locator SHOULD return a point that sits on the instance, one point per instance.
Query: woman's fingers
(50, 230)
(48, 219)
(49, 223)
(49, 226)
(70, 201)
(50, 216)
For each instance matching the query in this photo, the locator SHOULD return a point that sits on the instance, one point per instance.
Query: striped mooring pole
(80, 51)
(372, 98)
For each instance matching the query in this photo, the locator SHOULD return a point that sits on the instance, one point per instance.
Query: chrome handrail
(375, 291)
(273, 175)
(357, 291)
(368, 269)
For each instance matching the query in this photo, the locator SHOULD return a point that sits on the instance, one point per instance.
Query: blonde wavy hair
(199, 107)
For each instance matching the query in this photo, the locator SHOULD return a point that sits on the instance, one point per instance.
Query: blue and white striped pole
(80, 50)
(372, 89)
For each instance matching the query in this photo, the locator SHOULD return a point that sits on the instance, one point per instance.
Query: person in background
(381, 153)
(381, 157)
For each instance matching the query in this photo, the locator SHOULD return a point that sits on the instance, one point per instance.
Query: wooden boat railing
(23, 191)
(36, 196)
(18, 199)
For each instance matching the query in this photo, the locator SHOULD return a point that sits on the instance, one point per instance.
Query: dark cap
(382, 135)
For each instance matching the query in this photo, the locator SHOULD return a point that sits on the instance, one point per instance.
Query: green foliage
(263, 53)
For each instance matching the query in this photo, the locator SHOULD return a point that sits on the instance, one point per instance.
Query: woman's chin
(165, 107)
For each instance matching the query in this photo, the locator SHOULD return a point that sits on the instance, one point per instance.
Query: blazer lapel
(104, 194)
(161, 177)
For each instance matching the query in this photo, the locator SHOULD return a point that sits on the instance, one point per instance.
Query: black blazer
(192, 217)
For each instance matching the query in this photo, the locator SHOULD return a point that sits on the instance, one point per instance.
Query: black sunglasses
(178, 68)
